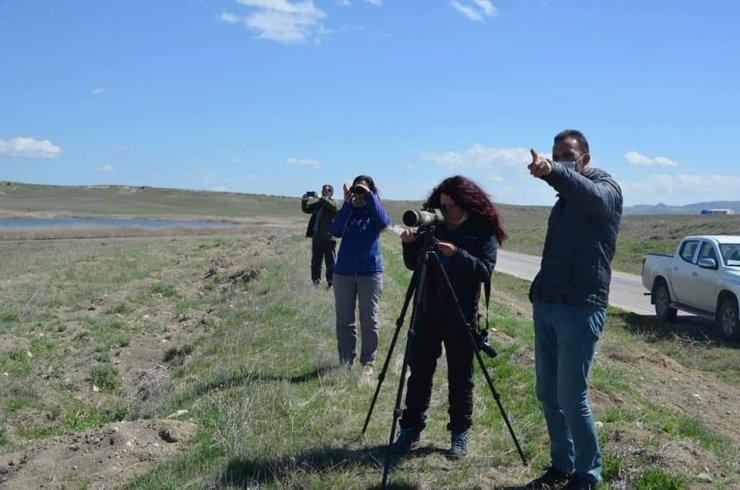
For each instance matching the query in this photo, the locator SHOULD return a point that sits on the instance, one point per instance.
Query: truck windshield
(730, 253)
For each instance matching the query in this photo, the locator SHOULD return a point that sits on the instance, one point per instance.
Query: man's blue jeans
(564, 346)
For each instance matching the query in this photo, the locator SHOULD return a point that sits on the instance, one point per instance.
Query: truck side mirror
(707, 263)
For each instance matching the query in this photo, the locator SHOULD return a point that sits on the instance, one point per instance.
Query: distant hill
(695, 208)
(26, 200)
(19, 199)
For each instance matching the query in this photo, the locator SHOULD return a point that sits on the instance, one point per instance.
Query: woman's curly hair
(471, 198)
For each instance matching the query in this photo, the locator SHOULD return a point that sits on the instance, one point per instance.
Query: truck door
(705, 281)
(683, 271)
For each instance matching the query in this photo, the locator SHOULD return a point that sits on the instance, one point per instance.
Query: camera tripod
(416, 290)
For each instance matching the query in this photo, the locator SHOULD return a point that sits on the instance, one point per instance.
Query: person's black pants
(325, 250)
(432, 330)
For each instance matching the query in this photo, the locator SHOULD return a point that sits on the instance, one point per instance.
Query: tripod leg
(399, 324)
(497, 397)
(418, 296)
(476, 350)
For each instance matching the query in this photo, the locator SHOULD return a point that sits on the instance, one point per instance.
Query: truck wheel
(727, 319)
(663, 310)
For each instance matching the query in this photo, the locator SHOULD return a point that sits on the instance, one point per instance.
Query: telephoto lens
(423, 218)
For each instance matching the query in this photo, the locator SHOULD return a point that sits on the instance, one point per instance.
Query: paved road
(626, 292)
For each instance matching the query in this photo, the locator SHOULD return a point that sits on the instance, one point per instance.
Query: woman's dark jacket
(471, 266)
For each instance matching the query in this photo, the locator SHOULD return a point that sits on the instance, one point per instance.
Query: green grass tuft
(105, 377)
(657, 479)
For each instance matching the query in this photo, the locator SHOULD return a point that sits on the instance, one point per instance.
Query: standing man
(323, 245)
(569, 297)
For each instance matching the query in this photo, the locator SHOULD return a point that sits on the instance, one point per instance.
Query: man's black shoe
(576, 482)
(550, 480)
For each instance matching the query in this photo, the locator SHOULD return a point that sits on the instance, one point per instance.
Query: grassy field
(223, 341)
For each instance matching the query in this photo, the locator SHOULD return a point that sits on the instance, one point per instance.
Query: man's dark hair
(576, 135)
(328, 186)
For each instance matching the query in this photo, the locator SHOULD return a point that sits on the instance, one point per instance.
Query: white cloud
(474, 9)
(284, 21)
(375, 2)
(106, 168)
(229, 18)
(97, 90)
(481, 156)
(495, 178)
(486, 6)
(681, 189)
(636, 158)
(28, 148)
(304, 162)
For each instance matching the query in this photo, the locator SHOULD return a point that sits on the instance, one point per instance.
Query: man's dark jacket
(581, 238)
(329, 207)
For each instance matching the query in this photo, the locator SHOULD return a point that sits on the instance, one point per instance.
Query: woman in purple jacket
(358, 273)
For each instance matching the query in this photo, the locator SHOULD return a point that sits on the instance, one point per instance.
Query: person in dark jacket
(358, 274)
(467, 245)
(569, 297)
(323, 245)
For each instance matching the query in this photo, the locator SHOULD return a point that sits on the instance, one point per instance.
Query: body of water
(109, 223)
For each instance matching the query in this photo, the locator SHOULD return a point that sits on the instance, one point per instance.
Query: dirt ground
(103, 458)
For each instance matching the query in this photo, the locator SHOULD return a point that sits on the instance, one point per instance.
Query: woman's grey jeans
(347, 291)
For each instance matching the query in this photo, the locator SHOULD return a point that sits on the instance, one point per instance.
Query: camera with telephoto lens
(481, 341)
(430, 217)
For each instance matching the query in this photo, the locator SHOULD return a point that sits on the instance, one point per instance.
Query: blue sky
(281, 96)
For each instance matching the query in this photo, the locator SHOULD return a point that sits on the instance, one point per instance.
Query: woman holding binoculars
(358, 273)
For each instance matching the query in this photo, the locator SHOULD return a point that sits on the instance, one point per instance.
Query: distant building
(717, 211)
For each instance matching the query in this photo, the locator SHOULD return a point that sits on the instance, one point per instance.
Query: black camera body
(481, 341)
(355, 189)
(430, 217)
(311, 194)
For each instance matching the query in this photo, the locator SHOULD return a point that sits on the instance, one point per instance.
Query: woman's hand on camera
(447, 248)
(408, 235)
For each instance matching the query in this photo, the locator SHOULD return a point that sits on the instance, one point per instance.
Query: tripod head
(426, 235)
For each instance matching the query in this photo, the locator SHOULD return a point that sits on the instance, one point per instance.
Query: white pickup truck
(702, 277)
